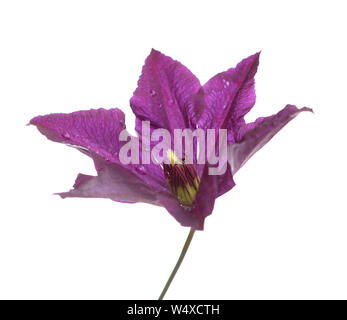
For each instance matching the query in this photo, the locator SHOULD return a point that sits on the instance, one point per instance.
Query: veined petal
(166, 94)
(251, 137)
(113, 182)
(229, 96)
(94, 131)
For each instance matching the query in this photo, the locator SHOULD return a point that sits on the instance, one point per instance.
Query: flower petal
(92, 131)
(225, 182)
(229, 96)
(113, 182)
(96, 133)
(119, 184)
(166, 94)
(251, 137)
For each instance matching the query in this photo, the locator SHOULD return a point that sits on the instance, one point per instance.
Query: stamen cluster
(182, 179)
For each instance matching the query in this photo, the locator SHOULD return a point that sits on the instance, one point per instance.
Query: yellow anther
(172, 157)
(182, 178)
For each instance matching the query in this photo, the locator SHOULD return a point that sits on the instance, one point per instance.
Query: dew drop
(141, 169)
(121, 123)
(66, 135)
(187, 208)
(226, 83)
(152, 93)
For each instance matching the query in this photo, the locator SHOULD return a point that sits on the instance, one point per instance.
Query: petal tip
(307, 109)
(292, 106)
(33, 121)
(154, 53)
(256, 56)
(60, 194)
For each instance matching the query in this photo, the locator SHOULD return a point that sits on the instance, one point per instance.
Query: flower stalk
(178, 263)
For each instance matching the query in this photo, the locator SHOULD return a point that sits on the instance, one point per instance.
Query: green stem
(178, 263)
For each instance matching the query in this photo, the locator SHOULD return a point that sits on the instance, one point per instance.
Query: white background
(279, 234)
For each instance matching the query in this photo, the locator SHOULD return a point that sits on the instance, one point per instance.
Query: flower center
(182, 179)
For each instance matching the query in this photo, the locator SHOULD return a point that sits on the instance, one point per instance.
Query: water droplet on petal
(141, 169)
(226, 83)
(187, 208)
(66, 135)
(224, 106)
(152, 92)
(121, 123)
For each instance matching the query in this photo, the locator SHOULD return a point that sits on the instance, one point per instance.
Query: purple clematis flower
(169, 96)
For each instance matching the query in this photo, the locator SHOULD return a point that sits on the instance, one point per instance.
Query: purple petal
(94, 131)
(251, 137)
(229, 96)
(166, 94)
(119, 184)
(225, 182)
(113, 182)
